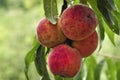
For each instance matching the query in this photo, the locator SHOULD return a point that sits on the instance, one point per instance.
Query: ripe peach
(64, 61)
(49, 34)
(87, 46)
(78, 22)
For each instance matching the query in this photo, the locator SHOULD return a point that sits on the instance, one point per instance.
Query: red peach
(87, 46)
(64, 61)
(78, 22)
(49, 34)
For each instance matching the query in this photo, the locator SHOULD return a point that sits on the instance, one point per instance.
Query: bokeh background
(18, 21)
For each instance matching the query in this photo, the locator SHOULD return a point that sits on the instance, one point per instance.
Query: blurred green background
(18, 21)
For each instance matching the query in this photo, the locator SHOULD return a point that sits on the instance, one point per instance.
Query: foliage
(18, 20)
(15, 40)
(51, 12)
(107, 12)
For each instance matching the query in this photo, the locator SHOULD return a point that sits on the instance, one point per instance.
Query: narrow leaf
(83, 1)
(90, 74)
(79, 75)
(117, 15)
(109, 33)
(118, 69)
(105, 13)
(108, 4)
(118, 74)
(93, 3)
(101, 30)
(108, 16)
(111, 72)
(47, 50)
(51, 12)
(117, 19)
(82, 72)
(69, 1)
(91, 66)
(40, 63)
(111, 4)
(58, 78)
(99, 69)
(76, 1)
(67, 78)
(117, 2)
(115, 25)
(29, 58)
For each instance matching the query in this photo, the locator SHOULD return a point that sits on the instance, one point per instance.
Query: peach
(87, 46)
(78, 22)
(64, 61)
(49, 34)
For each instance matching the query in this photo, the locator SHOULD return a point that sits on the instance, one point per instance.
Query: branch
(110, 56)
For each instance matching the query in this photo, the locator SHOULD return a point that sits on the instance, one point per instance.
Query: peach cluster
(76, 24)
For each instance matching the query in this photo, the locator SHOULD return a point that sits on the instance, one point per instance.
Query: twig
(110, 56)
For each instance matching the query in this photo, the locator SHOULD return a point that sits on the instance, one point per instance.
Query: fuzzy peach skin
(78, 22)
(87, 46)
(64, 61)
(48, 34)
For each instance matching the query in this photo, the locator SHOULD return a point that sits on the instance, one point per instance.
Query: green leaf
(79, 76)
(90, 74)
(111, 69)
(93, 3)
(82, 72)
(117, 64)
(58, 77)
(40, 63)
(108, 4)
(117, 15)
(117, 19)
(110, 34)
(47, 50)
(91, 66)
(51, 12)
(69, 2)
(76, 2)
(101, 32)
(118, 69)
(83, 1)
(101, 29)
(116, 27)
(118, 74)
(99, 69)
(67, 78)
(108, 16)
(111, 5)
(30, 56)
(105, 13)
(117, 2)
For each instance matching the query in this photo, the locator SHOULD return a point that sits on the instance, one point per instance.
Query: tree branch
(110, 56)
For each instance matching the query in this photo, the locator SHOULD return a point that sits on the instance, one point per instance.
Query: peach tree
(64, 41)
